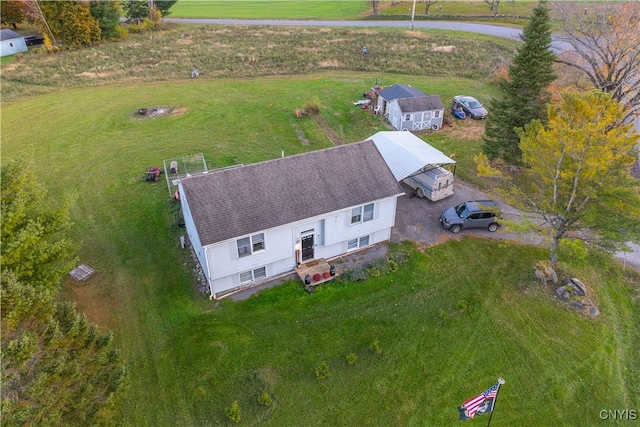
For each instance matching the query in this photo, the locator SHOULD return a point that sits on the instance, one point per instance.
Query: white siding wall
(191, 230)
(332, 232)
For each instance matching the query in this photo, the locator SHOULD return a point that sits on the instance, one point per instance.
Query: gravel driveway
(417, 219)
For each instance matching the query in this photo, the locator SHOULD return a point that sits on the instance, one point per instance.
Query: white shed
(11, 43)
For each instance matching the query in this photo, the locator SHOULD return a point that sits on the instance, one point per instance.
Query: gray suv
(472, 214)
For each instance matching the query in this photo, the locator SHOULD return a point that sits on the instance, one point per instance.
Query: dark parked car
(471, 106)
(472, 214)
(33, 40)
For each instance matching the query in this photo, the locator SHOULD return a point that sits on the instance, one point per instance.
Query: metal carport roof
(405, 153)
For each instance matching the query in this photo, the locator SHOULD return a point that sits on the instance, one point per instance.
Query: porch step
(318, 271)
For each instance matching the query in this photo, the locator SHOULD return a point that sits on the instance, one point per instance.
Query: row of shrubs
(376, 268)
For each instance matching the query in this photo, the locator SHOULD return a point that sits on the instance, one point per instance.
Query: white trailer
(432, 182)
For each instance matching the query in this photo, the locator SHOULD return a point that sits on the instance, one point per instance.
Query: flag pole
(500, 382)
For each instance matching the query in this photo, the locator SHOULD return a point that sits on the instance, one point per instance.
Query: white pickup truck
(432, 182)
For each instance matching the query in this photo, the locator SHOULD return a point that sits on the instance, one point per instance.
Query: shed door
(307, 245)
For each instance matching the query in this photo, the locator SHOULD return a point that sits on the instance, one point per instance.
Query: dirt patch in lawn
(467, 130)
(328, 130)
(158, 111)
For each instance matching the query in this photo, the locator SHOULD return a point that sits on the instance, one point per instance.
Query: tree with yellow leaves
(576, 180)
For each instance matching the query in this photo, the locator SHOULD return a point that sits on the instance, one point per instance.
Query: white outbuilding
(11, 43)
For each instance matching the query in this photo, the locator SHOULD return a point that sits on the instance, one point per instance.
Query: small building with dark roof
(11, 43)
(254, 222)
(408, 108)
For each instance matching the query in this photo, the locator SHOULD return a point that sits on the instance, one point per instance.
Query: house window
(249, 245)
(357, 214)
(358, 243)
(368, 213)
(253, 275)
(436, 114)
(407, 117)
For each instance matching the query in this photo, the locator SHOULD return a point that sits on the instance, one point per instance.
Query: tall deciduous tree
(601, 42)
(11, 13)
(577, 180)
(524, 92)
(70, 22)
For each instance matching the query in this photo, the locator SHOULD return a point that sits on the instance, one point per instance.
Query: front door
(307, 245)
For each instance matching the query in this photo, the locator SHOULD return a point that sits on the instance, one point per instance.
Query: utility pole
(413, 13)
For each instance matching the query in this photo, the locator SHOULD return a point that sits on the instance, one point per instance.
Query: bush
(354, 275)
(312, 108)
(322, 370)
(233, 412)
(376, 268)
(351, 358)
(375, 347)
(122, 33)
(264, 399)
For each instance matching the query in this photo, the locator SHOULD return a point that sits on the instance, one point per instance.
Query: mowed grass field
(342, 10)
(450, 321)
(278, 9)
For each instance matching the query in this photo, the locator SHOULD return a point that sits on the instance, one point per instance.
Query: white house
(253, 222)
(11, 43)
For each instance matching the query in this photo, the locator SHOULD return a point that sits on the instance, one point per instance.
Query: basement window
(253, 275)
(360, 242)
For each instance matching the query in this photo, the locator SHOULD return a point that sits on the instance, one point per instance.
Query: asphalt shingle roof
(9, 35)
(234, 202)
(398, 91)
(425, 103)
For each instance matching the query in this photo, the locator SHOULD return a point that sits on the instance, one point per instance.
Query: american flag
(471, 406)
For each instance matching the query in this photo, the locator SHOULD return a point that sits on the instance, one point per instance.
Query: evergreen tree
(136, 10)
(525, 94)
(164, 6)
(32, 231)
(107, 13)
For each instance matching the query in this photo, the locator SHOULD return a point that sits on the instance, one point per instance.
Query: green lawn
(449, 322)
(271, 9)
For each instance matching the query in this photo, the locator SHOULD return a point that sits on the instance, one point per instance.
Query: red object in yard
(326, 275)
(316, 277)
(153, 173)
